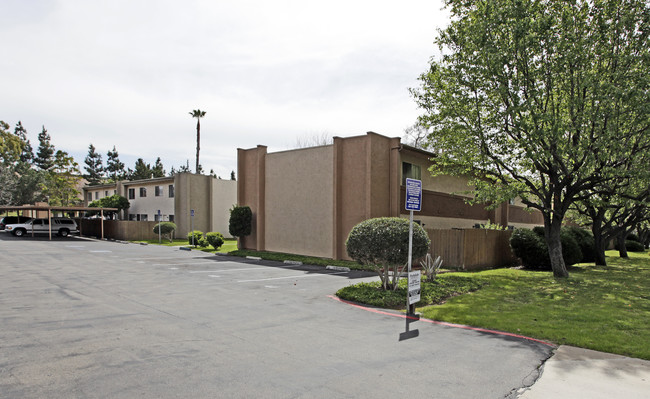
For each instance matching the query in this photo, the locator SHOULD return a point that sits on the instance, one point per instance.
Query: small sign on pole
(413, 195)
(414, 287)
(413, 203)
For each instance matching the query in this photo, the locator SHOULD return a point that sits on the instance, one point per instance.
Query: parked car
(13, 220)
(60, 226)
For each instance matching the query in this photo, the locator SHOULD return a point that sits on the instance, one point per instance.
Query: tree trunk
(552, 230)
(599, 241)
(622, 250)
(599, 248)
(198, 143)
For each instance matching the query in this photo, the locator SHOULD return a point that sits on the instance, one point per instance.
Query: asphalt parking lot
(95, 319)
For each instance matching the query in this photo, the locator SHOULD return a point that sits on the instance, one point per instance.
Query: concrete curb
(338, 268)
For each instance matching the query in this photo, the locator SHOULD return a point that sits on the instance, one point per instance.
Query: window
(156, 217)
(410, 171)
(171, 218)
(142, 218)
(159, 191)
(96, 194)
(114, 192)
(171, 191)
(90, 197)
(106, 193)
(131, 215)
(143, 192)
(131, 195)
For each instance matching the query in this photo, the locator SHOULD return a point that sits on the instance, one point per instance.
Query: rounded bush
(194, 237)
(241, 221)
(632, 237)
(571, 251)
(384, 241)
(585, 239)
(532, 249)
(165, 229)
(634, 246)
(215, 239)
(203, 242)
(528, 246)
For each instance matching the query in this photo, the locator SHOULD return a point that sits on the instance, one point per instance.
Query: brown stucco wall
(299, 212)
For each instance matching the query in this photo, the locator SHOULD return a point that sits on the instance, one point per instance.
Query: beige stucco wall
(150, 204)
(224, 196)
(298, 201)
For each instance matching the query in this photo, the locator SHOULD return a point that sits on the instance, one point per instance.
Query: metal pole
(409, 307)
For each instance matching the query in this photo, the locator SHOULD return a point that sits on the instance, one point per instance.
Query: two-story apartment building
(307, 200)
(174, 198)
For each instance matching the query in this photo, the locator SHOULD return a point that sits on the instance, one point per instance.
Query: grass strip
(601, 308)
(308, 260)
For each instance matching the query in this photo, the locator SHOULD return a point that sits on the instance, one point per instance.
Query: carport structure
(21, 209)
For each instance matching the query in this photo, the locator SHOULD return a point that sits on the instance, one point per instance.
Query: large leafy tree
(198, 114)
(94, 166)
(61, 181)
(114, 167)
(114, 201)
(544, 98)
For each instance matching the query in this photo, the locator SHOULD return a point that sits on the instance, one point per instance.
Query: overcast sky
(128, 72)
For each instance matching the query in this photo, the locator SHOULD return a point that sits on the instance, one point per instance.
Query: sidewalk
(582, 373)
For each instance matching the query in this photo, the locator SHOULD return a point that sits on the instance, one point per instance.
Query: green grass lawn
(601, 308)
(309, 260)
(229, 245)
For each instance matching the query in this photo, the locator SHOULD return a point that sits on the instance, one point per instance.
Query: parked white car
(60, 226)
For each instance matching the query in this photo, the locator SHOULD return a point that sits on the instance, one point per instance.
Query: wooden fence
(472, 249)
(126, 230)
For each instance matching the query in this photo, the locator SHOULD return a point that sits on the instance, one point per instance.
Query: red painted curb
(442, 323)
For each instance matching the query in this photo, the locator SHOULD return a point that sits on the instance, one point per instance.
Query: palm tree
(198, 114)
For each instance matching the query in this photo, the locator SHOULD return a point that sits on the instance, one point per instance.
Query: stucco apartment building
(307, 200)
(175, 196)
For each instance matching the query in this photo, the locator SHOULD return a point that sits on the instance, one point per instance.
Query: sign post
(192, 225)
(159, 228)
(413, 203)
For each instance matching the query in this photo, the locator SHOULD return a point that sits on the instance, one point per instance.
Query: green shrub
(382, 243)
(215, 239)
(241, 221)
(531, 248)
(634, 246)
(203, 242)
(166, 230)
(528, 246)
(571, 251)
(585, 239)
(632, 237)
(194, 237)
(539, 230)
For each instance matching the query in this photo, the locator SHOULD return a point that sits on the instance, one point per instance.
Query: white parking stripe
(229, 270)
(288, 277)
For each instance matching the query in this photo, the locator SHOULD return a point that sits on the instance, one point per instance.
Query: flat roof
(5, 208)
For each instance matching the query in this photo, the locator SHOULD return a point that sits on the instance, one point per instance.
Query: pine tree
(27, 155)
(158, 169)
(94, 167)
(45, 154)
(142, 170)
(114, 167)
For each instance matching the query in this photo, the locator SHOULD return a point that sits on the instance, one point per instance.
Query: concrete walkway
(582, 373)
